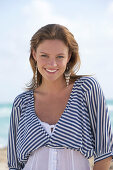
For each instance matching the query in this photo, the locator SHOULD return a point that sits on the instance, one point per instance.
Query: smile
(51, 71)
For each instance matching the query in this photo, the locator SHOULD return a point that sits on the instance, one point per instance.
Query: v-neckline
(68, 102)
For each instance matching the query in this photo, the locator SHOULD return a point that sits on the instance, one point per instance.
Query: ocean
(5, 111)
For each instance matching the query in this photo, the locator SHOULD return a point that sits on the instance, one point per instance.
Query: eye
(60, 56)
(43, 55)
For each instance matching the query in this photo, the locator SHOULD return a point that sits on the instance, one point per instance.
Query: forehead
(52, 45)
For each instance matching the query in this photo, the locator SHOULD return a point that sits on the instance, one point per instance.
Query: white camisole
(46, 158)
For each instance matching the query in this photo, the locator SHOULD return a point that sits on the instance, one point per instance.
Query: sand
(3, 160)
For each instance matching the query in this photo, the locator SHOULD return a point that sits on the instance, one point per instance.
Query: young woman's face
(52, 57)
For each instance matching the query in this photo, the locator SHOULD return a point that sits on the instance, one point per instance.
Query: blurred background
(91, 22)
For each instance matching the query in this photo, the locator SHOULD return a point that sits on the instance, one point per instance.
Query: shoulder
(87, 83)
(22, 98)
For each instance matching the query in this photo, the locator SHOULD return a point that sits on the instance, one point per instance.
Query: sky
(90, 21)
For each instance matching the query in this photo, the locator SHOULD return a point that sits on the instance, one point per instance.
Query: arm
(103, 164)
(13, 163)
(101, 127)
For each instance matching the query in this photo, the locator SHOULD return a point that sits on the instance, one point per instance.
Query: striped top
(83, 126)
(46, 158)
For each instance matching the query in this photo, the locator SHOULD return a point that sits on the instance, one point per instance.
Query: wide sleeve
(100, 122)
(13, 163)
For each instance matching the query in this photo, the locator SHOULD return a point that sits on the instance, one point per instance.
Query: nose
(52, 62)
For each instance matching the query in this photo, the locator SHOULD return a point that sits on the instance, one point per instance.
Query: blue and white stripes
(84, 125)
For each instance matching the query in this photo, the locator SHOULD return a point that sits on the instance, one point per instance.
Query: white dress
(46, 158)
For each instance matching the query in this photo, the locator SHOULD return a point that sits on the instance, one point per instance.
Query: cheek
(40, 63)
(62, 63)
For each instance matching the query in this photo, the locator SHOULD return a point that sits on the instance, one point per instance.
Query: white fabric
(46, 158)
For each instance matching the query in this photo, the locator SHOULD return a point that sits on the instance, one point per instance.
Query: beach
(3, 160)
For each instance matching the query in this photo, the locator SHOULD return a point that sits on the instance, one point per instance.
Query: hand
(103, 164)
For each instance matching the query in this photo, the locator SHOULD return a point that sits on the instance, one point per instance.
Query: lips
(51, 70)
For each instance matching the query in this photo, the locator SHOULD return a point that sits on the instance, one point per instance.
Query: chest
(49, 109)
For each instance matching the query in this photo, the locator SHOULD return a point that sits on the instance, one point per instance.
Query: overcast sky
(91, 22)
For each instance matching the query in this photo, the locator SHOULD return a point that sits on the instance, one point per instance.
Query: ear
(34, 55)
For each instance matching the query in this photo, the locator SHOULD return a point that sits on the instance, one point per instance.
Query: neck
(53, 87)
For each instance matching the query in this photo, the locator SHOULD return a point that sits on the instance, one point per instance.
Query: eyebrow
(44, 52)
(48, 54)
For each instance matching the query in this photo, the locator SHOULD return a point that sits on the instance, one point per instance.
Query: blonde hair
(52, 32)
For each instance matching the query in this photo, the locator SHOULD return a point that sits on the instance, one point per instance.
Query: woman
(61, 122)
